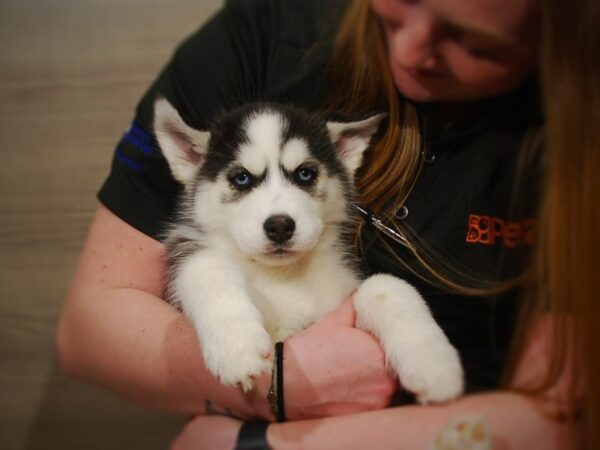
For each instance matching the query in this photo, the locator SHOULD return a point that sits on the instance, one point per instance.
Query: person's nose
(412, 43)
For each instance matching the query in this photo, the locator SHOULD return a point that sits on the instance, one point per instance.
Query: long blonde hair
(391, 165)
(569, 245)
(563, 279)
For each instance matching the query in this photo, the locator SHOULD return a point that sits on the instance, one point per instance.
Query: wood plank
(71, 73)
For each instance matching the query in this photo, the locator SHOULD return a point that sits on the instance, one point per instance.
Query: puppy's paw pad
(466, 433)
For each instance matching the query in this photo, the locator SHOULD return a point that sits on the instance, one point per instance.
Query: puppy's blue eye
(242, 180)
(304, 175)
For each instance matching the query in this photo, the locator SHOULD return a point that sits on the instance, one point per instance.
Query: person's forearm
(513, 421)
(141, 348)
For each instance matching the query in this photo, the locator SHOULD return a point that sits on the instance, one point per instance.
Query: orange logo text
(489, 230)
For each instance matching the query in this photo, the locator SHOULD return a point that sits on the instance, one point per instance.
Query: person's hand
(332, 368)
(209, 433)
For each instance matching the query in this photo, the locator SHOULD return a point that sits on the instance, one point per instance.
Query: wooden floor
(71, 72)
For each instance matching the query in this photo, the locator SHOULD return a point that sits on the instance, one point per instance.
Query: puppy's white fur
(242, 295)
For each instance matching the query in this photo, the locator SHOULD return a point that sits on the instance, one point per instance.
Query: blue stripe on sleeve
(127, 161)
(140, 139)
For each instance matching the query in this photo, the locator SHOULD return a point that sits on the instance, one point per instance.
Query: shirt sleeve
(219, 67)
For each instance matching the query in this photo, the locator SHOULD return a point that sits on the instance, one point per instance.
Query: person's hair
(561, 279)
(363, 84)
(568, 245)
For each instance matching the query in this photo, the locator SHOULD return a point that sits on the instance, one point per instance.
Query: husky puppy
(260, 247)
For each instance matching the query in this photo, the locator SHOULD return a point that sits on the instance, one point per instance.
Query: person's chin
(416, 86)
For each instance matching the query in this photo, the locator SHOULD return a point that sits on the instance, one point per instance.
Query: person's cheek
(480, 75)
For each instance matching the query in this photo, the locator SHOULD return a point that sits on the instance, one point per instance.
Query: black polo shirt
(277, 50)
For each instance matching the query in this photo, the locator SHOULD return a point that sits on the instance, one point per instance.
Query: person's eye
(241, 180)
(479, 51)
(305, 176)
(476, 45)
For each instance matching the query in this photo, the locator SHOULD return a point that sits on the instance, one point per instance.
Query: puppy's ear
(183, 146)
(351, 139)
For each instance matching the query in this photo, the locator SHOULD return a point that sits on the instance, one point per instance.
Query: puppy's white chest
(289, 304)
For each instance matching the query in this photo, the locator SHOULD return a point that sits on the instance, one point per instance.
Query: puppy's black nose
(279, 228)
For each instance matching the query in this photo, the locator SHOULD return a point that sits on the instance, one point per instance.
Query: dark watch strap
(253, 436)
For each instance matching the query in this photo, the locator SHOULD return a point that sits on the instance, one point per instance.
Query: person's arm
(509, 420)
(513, 421)
(116, 331)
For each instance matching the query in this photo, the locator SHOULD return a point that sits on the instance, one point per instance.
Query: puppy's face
(278, 191)
(268, 181)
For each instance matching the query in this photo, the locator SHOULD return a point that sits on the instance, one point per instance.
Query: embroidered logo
(489, 230)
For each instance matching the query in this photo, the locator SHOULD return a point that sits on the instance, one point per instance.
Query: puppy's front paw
(238, 355)
(431, 370)
(415, 346)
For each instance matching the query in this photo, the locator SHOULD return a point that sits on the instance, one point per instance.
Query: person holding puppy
(457, 170)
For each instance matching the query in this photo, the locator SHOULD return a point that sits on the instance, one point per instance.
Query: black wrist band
(253, 436)
(280, 397)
